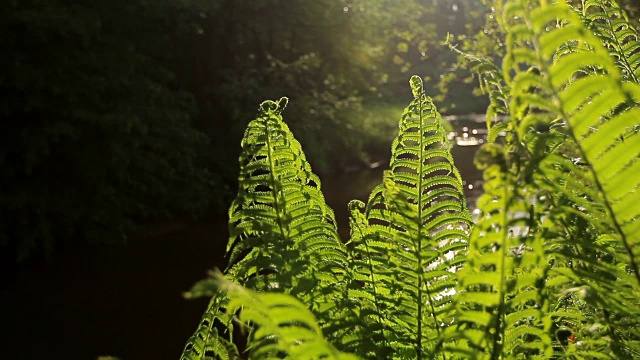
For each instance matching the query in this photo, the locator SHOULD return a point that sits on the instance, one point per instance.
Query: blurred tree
(96, 133)
(327, 56)
(110, 104)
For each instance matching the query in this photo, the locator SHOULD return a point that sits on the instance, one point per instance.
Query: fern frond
(366, 296)
(410, 244)
(282, 326)
(207, 343)
(491, 83)
(611, 24)
(282, 233)
(565, 81)
(595, 109)
(283, 236)
(501, 310)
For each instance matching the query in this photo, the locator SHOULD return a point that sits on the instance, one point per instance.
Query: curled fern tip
(269, 106)
(282, 104)
(416, 86)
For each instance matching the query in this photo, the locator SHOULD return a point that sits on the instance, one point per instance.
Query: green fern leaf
(207, 343)
(612, 26)
(491, 83)
(411, 241)
(599, 119)
(282, 233)
(572, 86)
(501, 310)
(282, 326)
(283, 236)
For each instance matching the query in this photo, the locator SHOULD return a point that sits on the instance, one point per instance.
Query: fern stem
(376, 298)
(419, 240)
(274, 190)
(497, 348)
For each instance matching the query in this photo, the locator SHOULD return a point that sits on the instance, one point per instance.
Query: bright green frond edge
(555, 251)
(283, 236)
(611, 24)
(408, 244)
(551, 269)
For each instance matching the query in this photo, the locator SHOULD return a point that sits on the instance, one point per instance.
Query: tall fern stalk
(550, 269)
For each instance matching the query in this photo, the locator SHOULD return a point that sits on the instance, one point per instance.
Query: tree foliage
(548, 270)
(331, 55)
(103, 99)
(96, 135)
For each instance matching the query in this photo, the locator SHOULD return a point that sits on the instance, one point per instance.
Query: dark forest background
(121, 114)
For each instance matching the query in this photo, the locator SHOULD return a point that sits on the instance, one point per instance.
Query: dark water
(123, 301)
(126, 301)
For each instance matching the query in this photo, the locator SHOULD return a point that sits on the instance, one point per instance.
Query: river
(126, 301)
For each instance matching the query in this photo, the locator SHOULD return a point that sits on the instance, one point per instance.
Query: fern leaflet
(414, 235)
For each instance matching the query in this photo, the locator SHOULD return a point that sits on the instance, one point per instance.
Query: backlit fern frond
(501, 309)
(282, 233)
(283, 236)
(281, 326)
(569, 98)
(491, 83)
(611, 24)
(207, 342)
(407, 249)
(366, 321)
(592, 106)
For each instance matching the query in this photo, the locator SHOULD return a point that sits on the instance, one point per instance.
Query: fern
(282, 326)
(612, 26)
(491, 83)
(282, 232)
(500, 304)
(412, 238)
(554, 255)
(587, 103)
(565, 209)
(283, 235)
(207, 342)
(572, 86)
